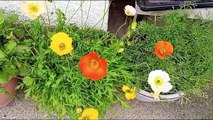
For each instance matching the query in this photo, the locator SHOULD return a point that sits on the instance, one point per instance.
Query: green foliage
(10, 53)
(56, 82)
(190, 66)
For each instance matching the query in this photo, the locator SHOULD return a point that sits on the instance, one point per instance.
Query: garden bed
(80, 72)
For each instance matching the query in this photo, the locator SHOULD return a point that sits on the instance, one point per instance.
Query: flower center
(33, 7)
(94, 63)
(128, 91)
(158, 81)
(162, 50)
(128, 11)
(62, 46)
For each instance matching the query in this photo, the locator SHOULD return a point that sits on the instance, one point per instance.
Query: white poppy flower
(129, 10)
(33, 9)
(159, 82)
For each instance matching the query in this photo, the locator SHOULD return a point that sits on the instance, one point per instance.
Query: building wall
(92, 13)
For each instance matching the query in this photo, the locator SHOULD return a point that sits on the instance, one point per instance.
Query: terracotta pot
(145, 96)
(5, 99)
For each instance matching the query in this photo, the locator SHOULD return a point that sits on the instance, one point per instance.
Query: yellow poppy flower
(61, 43)
(130, 93)
(33, 9)
(89, 114)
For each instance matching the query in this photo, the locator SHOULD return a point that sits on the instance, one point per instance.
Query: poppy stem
(121, 26)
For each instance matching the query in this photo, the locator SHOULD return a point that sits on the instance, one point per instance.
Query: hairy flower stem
(125, 22)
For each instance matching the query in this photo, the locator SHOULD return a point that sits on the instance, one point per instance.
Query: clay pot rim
(10, 91)
(9, 79)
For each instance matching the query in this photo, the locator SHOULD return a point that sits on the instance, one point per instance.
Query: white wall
(93, 14)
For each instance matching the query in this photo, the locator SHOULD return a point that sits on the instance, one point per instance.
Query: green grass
(191, 65)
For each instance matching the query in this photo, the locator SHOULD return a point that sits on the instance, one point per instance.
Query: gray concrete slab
(198, 108)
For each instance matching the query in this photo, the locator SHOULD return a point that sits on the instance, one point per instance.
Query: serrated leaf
(13, 18)
(3, 78)
(23, 69)
(19, 32)
(10, 69)
(28, 81)
(10, 45)
(23, 50)
(2, 54)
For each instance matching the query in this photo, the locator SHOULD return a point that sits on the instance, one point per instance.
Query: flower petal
(158, 73)
(166, 87)
(166, 46)
(169, 48)
(93, 55)
(98, 74)
(130, 96)
(163, 75)
(129, 10)
(90, 113)
(152, 76)
(125, 88)
(85, 60)
(102, 63)
(90, 71)
(61, 38)
(24, 5)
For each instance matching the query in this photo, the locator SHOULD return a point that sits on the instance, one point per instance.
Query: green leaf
(19, 32)
(3, 78)
(2, 54)
(10, 69)
(10, 45)
(128, 34)
(1, 17)
(2, 90)
(12, 18)
(28, 81)
(23, 50)
(24, 70)
(133, 25)
(27, 93)
(10, 36)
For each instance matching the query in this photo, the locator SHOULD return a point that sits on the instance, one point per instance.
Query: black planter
(154, 5)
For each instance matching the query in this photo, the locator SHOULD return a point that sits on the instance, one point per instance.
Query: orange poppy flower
(163, 48)
(93, 67)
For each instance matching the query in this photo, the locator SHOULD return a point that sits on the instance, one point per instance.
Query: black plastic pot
(154, 5)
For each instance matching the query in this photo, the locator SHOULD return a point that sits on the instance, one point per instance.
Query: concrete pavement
(198, 108)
